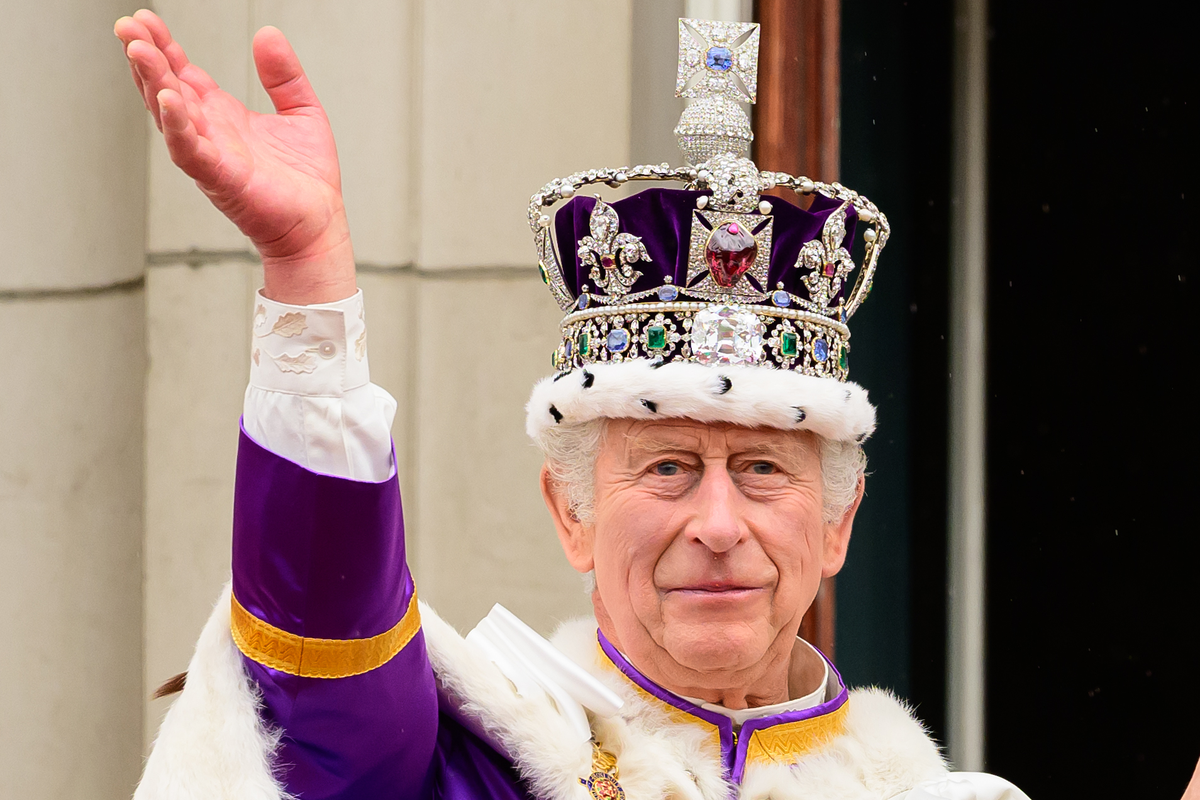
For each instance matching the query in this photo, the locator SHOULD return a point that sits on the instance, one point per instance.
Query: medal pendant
(603, 786)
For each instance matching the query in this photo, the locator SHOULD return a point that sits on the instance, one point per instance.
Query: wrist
(322, 272)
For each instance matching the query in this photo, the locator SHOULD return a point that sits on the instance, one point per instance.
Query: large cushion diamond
(726, 335)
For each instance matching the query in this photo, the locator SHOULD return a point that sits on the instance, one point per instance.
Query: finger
(188, 72)
(137, 80)
(149, 27)
(162, 39)
(127, 29)
(281, 74)
(156, 72)
(192, 153)
(194, 109)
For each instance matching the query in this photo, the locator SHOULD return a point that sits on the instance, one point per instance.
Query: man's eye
(762, 468)
(666, 469)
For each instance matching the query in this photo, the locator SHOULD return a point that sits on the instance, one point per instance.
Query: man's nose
(717, 523)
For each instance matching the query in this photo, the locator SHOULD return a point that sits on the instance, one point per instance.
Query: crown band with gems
(707, 333)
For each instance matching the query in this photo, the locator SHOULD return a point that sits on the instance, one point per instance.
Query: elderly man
(703, 468)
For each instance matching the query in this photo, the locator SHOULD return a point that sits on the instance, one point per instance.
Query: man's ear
(837, 534)
(576, 538)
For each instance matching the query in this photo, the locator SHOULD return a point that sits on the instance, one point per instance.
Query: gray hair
(571, 450)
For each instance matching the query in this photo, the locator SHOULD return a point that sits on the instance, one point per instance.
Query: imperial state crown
(713, 301)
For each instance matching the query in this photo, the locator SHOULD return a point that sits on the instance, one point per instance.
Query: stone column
(72, 190)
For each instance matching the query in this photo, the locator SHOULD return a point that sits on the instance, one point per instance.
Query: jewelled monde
(730, 252)
(726, 335)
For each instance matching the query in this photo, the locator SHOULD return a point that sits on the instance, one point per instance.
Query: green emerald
(789, 344)
(545, 275)
(584, 346)
(656, 337)
(843, 360)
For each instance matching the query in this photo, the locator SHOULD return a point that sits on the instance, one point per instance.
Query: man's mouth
(714, 589)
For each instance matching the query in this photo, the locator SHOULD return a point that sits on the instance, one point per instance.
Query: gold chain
(602, 760)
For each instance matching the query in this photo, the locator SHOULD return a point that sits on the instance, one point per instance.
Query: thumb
(281, 75)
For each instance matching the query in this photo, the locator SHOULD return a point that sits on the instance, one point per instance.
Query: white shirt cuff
(317, 350)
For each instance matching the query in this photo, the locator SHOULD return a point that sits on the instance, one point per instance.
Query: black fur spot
(657, 362)
(561, 375)
(862, 437)
(651, 405)
(588, 379)
(801, 414)
(847, 395)
(554, 412)
(726, 384)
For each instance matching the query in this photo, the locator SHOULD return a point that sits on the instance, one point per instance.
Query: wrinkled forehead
(637, 437)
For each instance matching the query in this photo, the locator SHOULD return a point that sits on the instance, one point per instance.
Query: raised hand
(275, 176)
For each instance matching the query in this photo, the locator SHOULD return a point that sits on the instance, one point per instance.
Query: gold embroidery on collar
(319, 658)
(788, 741)
(677, 715)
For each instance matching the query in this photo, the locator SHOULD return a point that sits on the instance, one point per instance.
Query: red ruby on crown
(730, 252)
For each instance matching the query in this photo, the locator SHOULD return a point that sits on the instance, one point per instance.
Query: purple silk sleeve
(323, 557)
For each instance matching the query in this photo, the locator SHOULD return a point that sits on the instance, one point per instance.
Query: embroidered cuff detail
(317, 350)
(272, 647)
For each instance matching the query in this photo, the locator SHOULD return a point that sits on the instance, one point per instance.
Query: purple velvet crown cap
(662, 218)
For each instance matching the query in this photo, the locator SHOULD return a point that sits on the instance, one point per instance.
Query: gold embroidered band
(319, 658)
(783, 743)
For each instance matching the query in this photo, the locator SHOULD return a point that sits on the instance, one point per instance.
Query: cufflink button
(327, 349)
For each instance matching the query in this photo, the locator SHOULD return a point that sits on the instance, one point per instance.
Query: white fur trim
(212, 744)
(884, 751)
(756, 397)
(529, 731)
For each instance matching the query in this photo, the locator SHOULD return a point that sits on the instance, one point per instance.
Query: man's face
(708, 545)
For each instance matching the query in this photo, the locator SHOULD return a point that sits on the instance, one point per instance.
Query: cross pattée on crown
(718, 59)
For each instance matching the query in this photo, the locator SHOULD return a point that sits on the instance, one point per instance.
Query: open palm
(274, 175)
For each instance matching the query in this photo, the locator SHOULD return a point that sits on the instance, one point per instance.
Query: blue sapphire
(820, 350)
(667, 293)
(618, 340)
(583, 301)
(719, 59)
(780, 298)
(567, 348)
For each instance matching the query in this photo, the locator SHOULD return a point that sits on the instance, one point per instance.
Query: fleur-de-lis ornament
(609, 253)
(828, 261)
